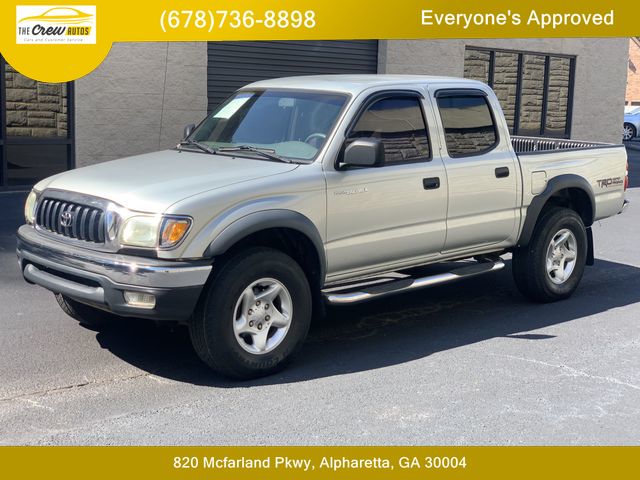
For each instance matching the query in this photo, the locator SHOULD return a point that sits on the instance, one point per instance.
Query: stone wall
(532, 95)
(505, 79)
(35, 109)
(558, 94)
(477, 65)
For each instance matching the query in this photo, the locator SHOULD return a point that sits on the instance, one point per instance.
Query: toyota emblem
(66, 218)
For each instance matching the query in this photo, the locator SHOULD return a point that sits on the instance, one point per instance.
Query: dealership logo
(55, 24)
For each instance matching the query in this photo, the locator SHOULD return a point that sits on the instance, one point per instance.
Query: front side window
(399, 124)
(468, 125)
(292, 124)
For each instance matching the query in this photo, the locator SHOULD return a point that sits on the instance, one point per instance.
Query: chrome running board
(340, 297)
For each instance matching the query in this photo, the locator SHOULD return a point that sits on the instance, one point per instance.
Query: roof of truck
(351, 83)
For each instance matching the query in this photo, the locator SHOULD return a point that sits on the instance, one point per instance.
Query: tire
(241, 342)
(629, 132)
(91, 317)
(545, 274)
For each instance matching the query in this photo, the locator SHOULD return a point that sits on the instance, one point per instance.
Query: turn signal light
(173, 231)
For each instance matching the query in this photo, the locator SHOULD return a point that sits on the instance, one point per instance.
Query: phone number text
(209, 19)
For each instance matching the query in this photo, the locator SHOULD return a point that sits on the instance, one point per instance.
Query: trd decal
(608, 182)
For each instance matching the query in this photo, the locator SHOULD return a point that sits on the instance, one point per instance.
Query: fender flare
(561, 182)
(263, 220)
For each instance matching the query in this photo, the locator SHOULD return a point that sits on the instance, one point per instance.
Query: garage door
(232, 65)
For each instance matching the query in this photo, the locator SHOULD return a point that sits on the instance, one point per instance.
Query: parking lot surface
(465, 363)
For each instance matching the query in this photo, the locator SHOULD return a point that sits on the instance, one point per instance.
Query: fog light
(140, 300)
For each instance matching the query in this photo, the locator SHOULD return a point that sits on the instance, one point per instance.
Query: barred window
(535, 90)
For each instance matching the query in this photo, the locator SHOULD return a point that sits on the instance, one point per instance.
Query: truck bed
(602, 165)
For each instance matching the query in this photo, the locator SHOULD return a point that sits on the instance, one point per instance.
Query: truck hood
(154, 181)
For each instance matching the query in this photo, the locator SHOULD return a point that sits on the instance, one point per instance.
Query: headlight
(156, 231)
(30, 207)
(140, 232)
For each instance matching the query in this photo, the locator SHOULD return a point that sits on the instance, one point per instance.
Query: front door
(381, 217)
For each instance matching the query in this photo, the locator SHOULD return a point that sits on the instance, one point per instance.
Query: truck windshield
(291, 124)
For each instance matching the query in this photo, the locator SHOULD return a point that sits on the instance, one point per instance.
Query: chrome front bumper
(100, 279)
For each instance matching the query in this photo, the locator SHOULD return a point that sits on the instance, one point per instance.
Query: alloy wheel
(262, 316)
(561, 256)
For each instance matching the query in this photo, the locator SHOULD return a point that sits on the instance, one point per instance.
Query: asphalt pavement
(466, 363)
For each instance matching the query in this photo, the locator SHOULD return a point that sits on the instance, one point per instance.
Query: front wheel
(90, 317)
(628, 132)
(254, 316)
(551, 266)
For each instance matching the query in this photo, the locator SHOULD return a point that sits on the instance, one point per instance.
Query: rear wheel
(628, 132)
(551, 266)
(91, 317)
(254, 316)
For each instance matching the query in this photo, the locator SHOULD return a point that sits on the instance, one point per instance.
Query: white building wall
(139, 99)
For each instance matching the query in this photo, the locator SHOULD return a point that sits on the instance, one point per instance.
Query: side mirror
(364, 152)
(188, 129)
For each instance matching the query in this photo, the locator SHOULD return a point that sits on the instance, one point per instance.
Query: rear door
(381, 217)
(482, 170)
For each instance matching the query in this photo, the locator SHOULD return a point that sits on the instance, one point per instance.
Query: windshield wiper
(201, 146)
(265, 152)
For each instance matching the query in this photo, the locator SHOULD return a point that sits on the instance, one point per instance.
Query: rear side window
(468, 124)
(399, 124)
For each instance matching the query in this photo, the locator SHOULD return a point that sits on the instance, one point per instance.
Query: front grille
(71, 220)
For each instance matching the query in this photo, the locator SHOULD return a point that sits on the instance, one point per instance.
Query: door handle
(502, 172)
(431, 183)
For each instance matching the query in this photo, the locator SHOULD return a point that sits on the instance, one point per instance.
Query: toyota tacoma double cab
(306, 191)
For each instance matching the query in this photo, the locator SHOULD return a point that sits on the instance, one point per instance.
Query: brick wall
(633, 74)
(35, 109)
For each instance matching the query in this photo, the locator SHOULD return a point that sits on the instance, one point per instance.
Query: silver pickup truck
(298, 192)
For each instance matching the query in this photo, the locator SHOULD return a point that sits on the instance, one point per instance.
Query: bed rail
(537, 144)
